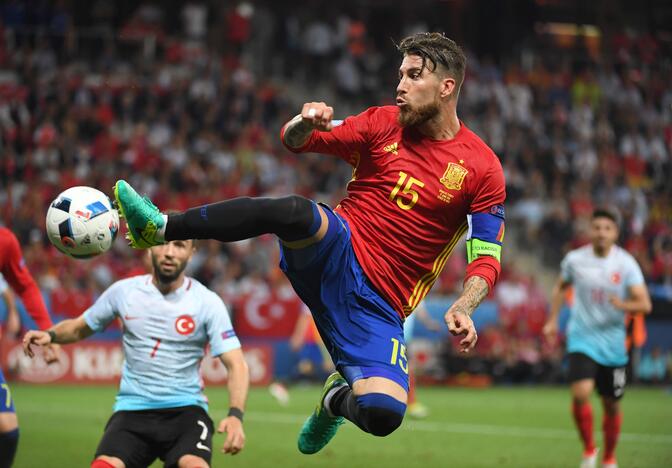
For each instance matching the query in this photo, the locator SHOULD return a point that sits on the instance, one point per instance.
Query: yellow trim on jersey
(300, 244)
(425, 283)
(356, 159)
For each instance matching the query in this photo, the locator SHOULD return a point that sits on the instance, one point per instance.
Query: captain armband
(485, 234)
(478, 248)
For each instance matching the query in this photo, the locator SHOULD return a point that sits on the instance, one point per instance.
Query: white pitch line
(480, 429)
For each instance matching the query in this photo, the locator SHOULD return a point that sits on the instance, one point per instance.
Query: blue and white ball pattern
(82, 223)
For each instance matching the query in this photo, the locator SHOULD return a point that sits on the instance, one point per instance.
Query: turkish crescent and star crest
(454, 176)
(185, 325)
(616, 278)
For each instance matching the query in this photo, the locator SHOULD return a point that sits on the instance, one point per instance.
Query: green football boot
(320, 427)
(143, 219)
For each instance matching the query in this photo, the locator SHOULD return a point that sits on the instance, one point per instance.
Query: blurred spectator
(653, 366)
(195, 20)
(187, 105)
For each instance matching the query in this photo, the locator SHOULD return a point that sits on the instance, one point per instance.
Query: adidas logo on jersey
(393, 148)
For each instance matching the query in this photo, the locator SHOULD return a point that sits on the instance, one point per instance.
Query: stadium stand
(186, 101)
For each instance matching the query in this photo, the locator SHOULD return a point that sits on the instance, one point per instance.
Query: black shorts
(140, 437)
(610, 381)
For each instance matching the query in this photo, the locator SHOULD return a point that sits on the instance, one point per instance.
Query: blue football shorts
(362, 332)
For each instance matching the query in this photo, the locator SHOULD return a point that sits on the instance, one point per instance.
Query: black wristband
(236, 413)
(52, 335)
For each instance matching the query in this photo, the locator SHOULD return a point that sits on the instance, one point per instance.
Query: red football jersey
(409, 197)
(19, 278)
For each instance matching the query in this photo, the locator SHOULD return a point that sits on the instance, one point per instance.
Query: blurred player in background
(304, 343)
(14, 271)
(608, 283)
(160, 410)
(421, 180)
(415, 408)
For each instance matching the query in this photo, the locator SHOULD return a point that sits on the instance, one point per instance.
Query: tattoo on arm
(297, 132)
(475, 290)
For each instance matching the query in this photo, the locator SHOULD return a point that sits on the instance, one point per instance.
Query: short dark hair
(436, 49)
(609, 213)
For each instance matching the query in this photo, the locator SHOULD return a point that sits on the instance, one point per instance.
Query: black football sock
(290, 218)
(8, 443)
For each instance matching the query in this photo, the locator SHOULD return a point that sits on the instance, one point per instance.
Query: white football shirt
(164, 340)
(596, 328)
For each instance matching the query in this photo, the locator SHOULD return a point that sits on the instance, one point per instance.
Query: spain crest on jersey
(454, 176)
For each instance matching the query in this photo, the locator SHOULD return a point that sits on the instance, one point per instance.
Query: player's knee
(381, 421)
(107, 462)
(295, 209)
(610, 405)
(192, 461)
(380, 414)
(580, 399)
(294, 215)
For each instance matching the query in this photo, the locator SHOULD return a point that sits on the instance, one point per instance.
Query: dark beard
(414, 117)
(167, 279)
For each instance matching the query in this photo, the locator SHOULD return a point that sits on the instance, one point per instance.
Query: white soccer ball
(82, 223)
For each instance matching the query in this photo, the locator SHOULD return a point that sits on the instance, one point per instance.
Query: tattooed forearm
(475, 290)
(297, 132)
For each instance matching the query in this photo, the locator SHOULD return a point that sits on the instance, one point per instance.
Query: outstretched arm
(458, 317)
(238, 384)
(313, 116)
(67, 331)
(19, 278)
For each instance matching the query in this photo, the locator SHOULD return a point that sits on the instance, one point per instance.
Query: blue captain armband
(485, 234)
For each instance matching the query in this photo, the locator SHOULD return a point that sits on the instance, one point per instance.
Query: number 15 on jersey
(403, 202)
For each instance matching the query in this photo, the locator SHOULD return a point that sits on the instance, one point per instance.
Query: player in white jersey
(607, 283)
(416, 409)
(160, 410)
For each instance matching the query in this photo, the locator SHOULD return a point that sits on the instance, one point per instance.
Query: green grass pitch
(502, 427)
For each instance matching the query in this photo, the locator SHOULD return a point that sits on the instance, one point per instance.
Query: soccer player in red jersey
(13, 268)
(421, 180)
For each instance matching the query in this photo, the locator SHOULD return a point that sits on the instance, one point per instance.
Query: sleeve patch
(228, 334)
(497, 210)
